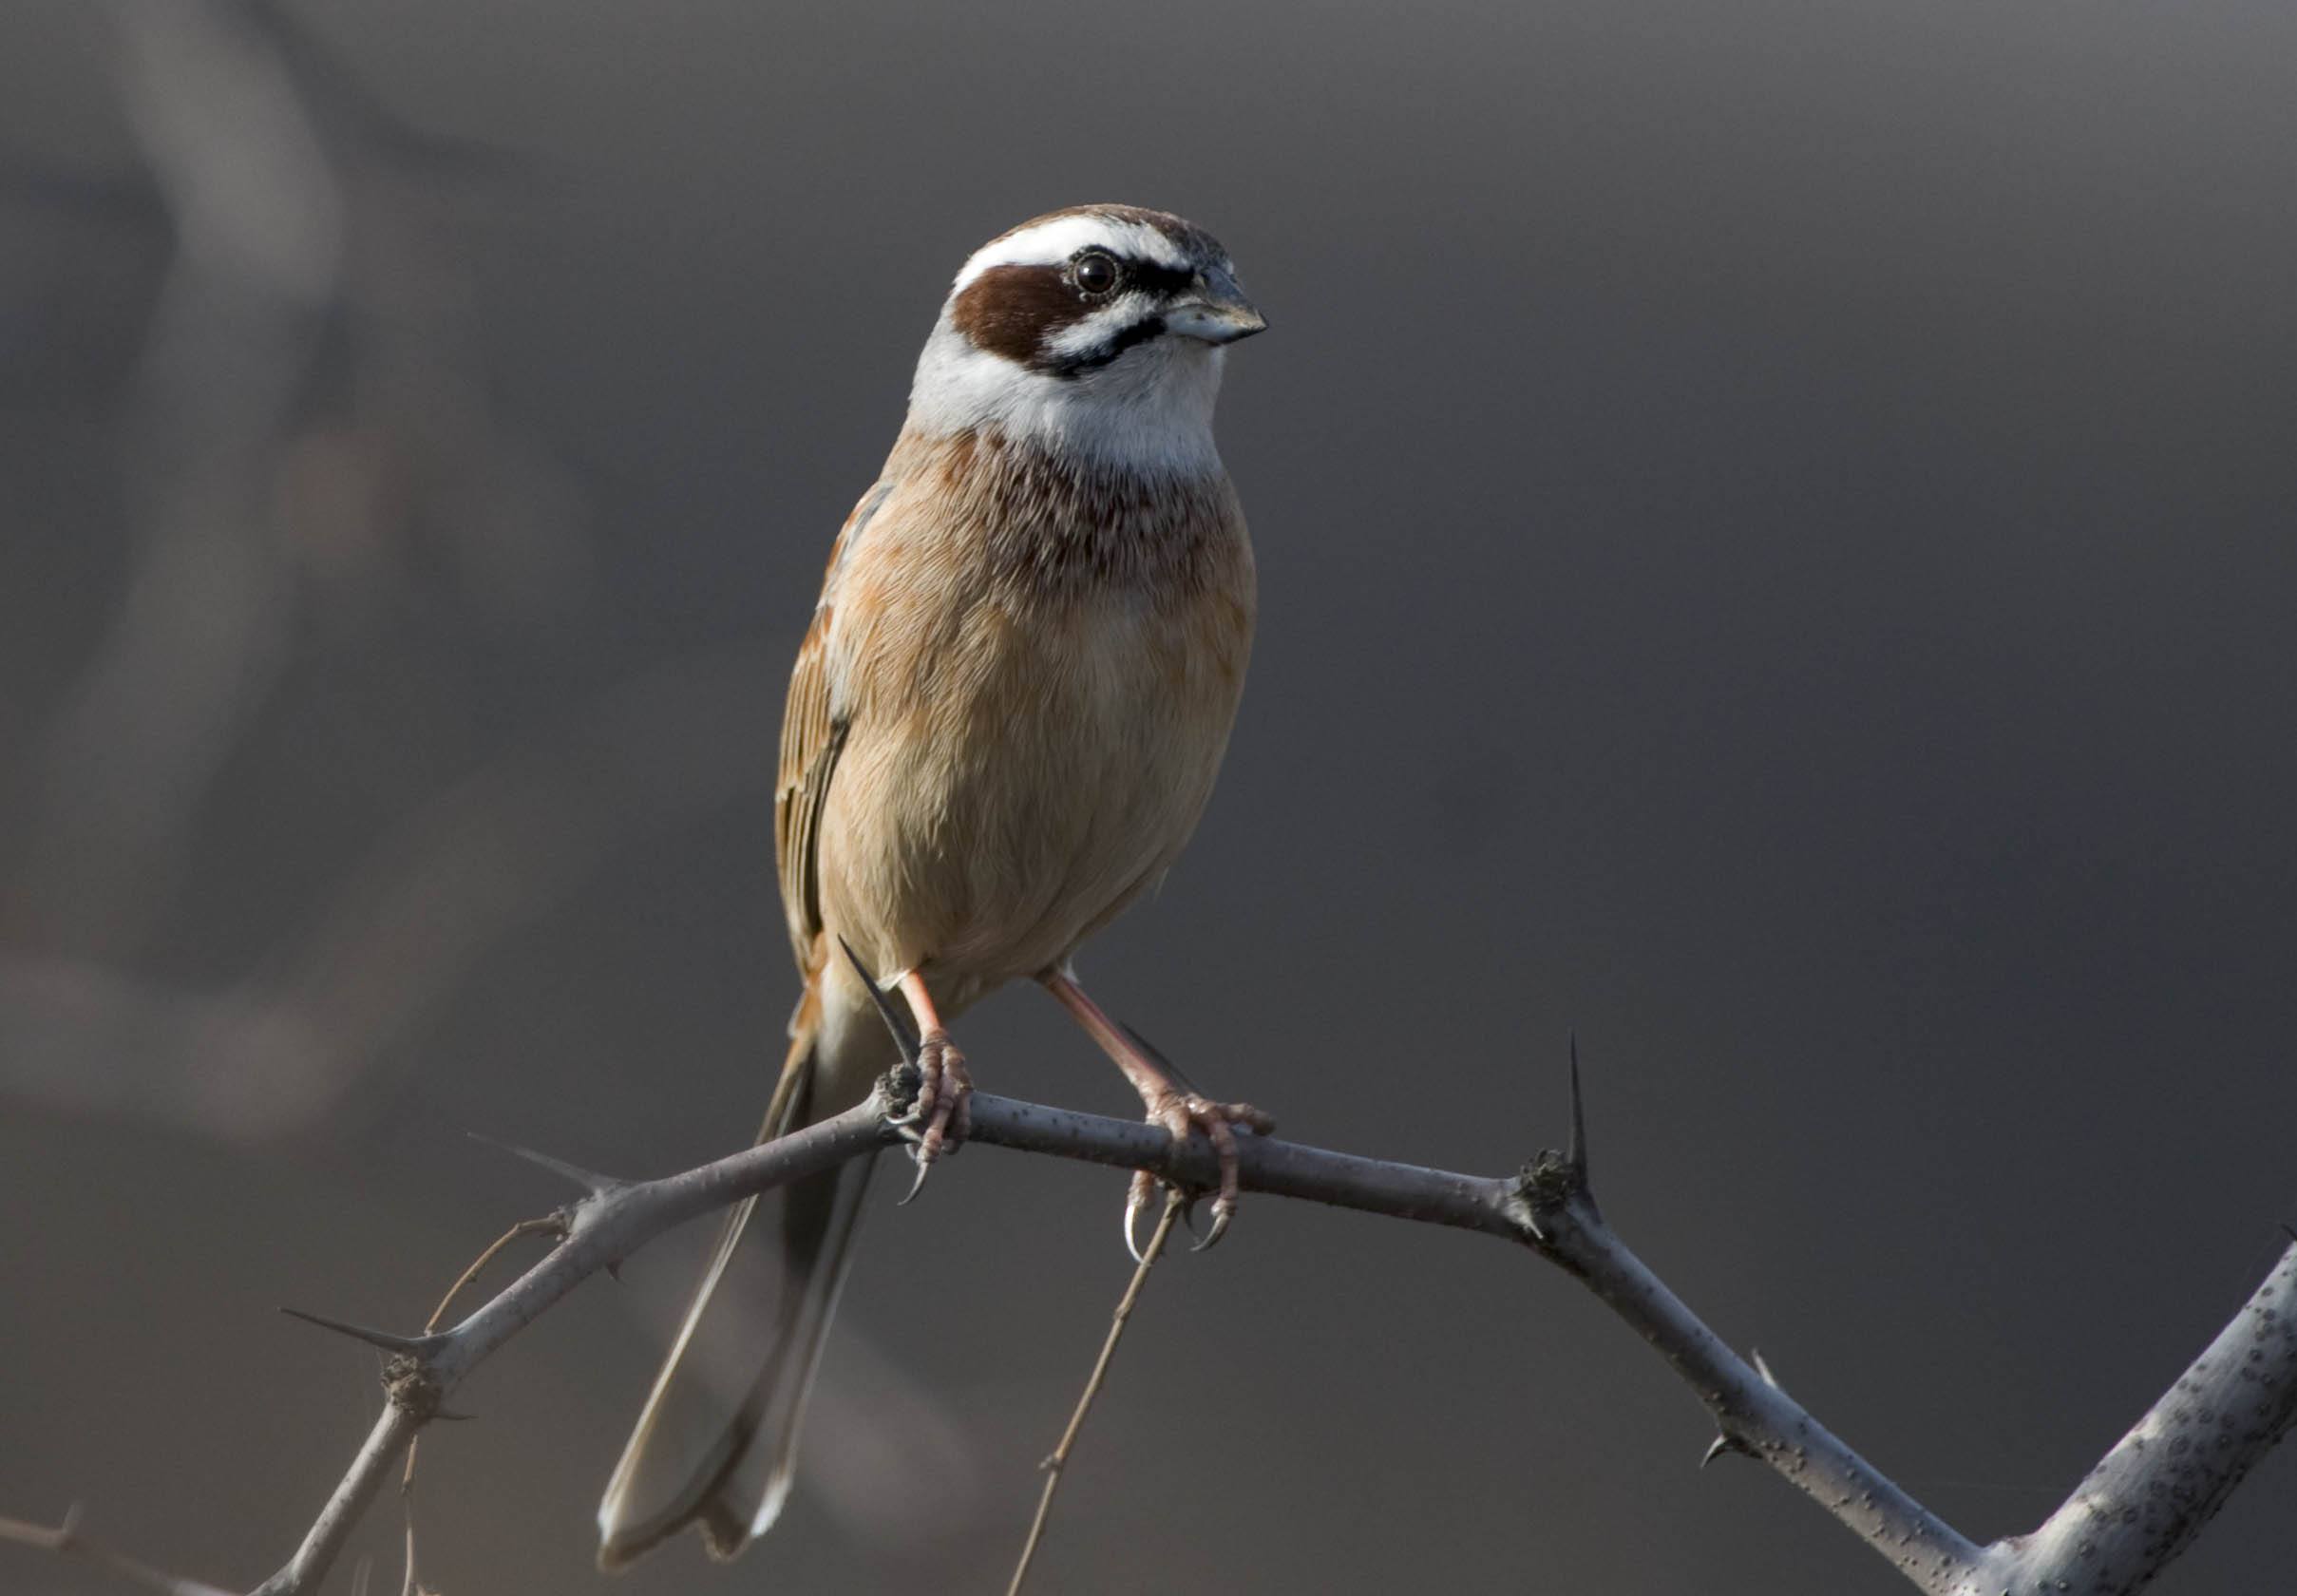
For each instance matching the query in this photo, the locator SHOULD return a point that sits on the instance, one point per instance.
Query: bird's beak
(1217, 312)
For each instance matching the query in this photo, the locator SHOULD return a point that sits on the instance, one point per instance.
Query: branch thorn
(1576, 1155)
(589, 1180)
(1156, 1057)
(895, 1022)
(415, 1346)
(1764, 1369)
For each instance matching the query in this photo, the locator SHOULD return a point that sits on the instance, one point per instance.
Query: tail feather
(697, 1456)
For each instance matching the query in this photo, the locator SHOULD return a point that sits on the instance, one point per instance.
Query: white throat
(1150, 409)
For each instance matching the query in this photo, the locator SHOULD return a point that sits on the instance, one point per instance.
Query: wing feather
(813, 734)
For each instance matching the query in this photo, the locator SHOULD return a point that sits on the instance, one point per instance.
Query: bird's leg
(943, 1085)
(1171, 1102)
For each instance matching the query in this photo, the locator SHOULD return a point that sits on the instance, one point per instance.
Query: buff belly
(985, 819)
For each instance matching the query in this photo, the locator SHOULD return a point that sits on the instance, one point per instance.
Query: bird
(1002, 726)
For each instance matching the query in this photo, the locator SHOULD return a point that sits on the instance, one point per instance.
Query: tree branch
(2137, 1510)
(2151, 1495)
(65, 1540)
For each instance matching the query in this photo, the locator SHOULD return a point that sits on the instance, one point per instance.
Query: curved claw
(1183, 1114)
(1222, 1210)
(916, 1186)
(1136, 1199)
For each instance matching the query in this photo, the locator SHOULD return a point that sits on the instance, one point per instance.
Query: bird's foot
(1183, 1113)
(942, 1114)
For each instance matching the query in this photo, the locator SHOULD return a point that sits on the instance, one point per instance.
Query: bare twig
(65, 1540)
(409, 1585)
(1174, 1201)
(2136, 1512)
(551, 1224)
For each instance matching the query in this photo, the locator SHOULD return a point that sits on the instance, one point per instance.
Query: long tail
(695, 1455)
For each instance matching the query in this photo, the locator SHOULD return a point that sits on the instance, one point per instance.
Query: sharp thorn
(417, 1346)
(1156, 1057)
(1577, 1154)
(70, 1525)
(2290, 1230)
(894, 1020)
(1715, 1449)
(1764, 1369)
(589, 1180)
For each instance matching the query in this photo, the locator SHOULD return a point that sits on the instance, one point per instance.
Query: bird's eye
(1096, 272)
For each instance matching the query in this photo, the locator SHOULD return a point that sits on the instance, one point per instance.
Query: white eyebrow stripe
(1050, 243)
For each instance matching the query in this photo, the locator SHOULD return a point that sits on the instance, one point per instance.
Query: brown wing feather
(661, 1485)
(812, 740)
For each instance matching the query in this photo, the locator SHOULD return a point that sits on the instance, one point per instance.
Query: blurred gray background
(1776, 529)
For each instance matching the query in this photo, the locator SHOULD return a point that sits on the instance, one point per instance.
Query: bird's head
(1097, 329)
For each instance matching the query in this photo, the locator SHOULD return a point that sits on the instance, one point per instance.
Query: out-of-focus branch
(437, 892)
(2134, 1512)
(258, 240)
(308, 403)
(67, 1540)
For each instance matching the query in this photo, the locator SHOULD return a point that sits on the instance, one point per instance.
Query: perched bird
(1001, 729)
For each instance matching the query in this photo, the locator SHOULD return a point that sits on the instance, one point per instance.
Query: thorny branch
(2140, 1507)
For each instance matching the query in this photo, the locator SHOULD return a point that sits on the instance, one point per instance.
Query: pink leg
(1169, 1102)
(944, 1084)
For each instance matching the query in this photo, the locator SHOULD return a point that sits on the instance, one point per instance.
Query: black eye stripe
(1150, 277)
(1020, 311)
(1080, 361)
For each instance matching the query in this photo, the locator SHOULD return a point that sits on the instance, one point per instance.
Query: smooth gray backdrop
(1776, 529)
